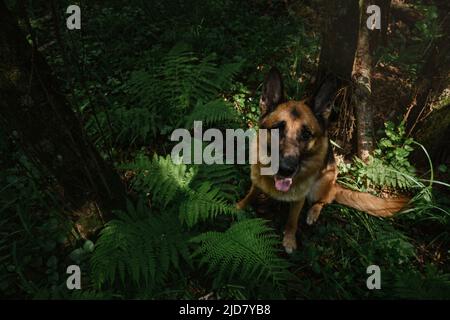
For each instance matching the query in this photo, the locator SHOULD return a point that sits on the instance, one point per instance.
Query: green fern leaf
(214, 112)
(246, 251)
(204, 203)
(139, 246)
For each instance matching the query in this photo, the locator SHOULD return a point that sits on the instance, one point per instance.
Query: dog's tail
(366, 202)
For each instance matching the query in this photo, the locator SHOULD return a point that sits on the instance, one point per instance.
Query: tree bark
(362, 75)
(41, 120)
(339, 39)
(339, 33)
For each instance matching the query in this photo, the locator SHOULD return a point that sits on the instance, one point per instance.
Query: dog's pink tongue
(283, 184)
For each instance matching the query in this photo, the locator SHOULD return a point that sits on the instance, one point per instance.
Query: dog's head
(302, 124)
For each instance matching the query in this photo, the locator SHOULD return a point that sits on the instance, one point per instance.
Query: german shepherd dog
(307, 168)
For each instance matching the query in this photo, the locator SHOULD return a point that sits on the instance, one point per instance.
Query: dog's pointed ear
(322, 102)
(272, 92)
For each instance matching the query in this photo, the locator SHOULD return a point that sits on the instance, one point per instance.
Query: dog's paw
(312, 216)
(289, 243)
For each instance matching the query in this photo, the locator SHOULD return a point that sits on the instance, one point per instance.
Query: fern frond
(181, 83)
(222, 176)
(216, 111)
(170, 183)
(160, 177)
(379, 174)
(246, 251)
(204, 203)
(140, 246)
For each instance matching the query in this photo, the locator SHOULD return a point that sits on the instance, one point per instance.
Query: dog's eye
(306, 134)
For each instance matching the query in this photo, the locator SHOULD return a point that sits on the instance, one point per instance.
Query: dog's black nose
(288, 166)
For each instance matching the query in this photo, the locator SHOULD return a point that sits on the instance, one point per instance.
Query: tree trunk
(340, 21)
(433, 77)
(41, 120)
(339, 39)
(362, 74)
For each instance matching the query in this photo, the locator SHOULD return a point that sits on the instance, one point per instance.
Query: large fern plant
(243, 252)
(145, 247)
(139, 246)
(389, 168)
(172, 93)
(174, 186)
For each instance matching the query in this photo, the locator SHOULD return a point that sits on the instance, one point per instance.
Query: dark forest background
(86, 176)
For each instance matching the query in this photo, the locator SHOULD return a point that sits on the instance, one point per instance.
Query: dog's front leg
(250, 197)
(289, 241)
